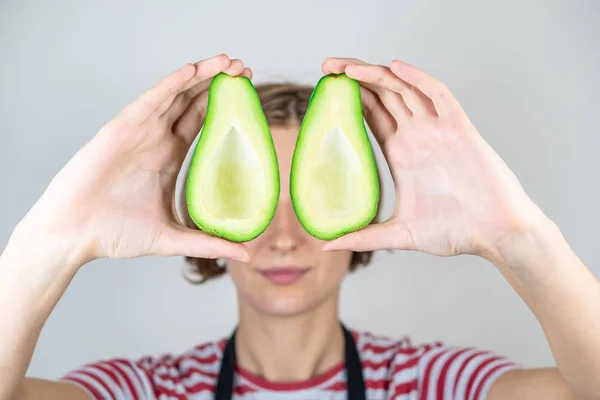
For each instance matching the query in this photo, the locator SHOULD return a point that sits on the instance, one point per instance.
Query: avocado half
(232, 187)
(334, 182)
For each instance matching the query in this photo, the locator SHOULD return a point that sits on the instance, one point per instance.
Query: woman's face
(288, 273)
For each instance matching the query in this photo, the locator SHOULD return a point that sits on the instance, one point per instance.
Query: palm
(454, 194)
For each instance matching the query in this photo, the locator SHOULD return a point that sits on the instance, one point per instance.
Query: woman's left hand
(454, 194)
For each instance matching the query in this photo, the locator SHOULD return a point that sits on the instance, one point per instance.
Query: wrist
(535, 244)
(39, 249)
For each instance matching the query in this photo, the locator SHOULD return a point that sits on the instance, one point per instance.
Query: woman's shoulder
(429, 366)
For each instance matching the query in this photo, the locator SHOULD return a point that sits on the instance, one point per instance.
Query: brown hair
(284, 104)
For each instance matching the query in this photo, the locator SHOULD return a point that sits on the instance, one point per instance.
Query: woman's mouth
(283, 275)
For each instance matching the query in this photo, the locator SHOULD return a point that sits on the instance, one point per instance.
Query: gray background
(525, 71)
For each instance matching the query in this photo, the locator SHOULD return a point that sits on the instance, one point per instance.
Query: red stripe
(159, 389)
(212, 359)
(442, 379)
(377, 384)
(405, 388)
(99, 381)
(193, 370)
(487, 376)
(108, 371)
(427, 378)
(146, 373)
(384, 349)
(338, 386)
(462, 368)
(90, 388)
(199, 387)
(244, 389)
(119, 368)
(376, 365)
(410, 363)
(477, 372)
(179, 378)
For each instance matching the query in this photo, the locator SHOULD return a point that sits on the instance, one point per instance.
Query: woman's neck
(289, 349)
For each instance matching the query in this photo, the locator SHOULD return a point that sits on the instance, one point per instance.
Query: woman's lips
(283, 275)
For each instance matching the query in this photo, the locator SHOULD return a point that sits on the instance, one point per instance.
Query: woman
(454, 196)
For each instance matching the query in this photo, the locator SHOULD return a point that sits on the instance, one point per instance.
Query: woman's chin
(284, 301)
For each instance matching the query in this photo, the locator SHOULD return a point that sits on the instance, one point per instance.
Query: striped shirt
(393, 369)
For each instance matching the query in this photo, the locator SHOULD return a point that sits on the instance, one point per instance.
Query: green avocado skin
(368, 162)
(258, 118)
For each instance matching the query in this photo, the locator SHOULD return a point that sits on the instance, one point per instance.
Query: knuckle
(442, 89)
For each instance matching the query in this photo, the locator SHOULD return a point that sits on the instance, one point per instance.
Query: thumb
(182, 241)
(389, 235)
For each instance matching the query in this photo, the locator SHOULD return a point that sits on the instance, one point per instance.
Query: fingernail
(328, 247)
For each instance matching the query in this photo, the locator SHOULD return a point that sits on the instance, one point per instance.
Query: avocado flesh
(233, 180)
(334, 183)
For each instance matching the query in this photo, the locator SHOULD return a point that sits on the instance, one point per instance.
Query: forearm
(33, 277)
(565, 297)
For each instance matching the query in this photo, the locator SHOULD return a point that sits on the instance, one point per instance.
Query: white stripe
(136, 375)
(376, 374)
(92, 382)
(492, 378)
(196, 378)
(436, 368)
(453, 370)
(484, 371)
(166, 397)
(241, 381)
(188, 363)
(461, 389)
(102, 376)
(412, 395)
(376, 394)
(339, 377)
(369, 355)
(207, 351)
(169, 370)
(203, 395)
(384, 372)
(380, 341)
(126, 393)
(403, 376)
(168, 384)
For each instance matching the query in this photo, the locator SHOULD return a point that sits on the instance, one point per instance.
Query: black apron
(354, 379)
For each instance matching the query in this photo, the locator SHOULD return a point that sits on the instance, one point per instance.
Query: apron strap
(354, 378)
(224, 389)
(355, 382)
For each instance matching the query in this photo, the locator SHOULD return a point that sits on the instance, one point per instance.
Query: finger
(183, 100)
(337, 65)
(205, 71)
(168, 86)
(443, 100)
(235, 68)
(247, 73)
(192, 119)
(392, 101)
(378, 118)
(181, 241)
(388, 235)
(383, 77)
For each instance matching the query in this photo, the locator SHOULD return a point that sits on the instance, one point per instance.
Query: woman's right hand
(115, 197)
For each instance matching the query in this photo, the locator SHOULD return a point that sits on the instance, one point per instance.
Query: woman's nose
(286, 231)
